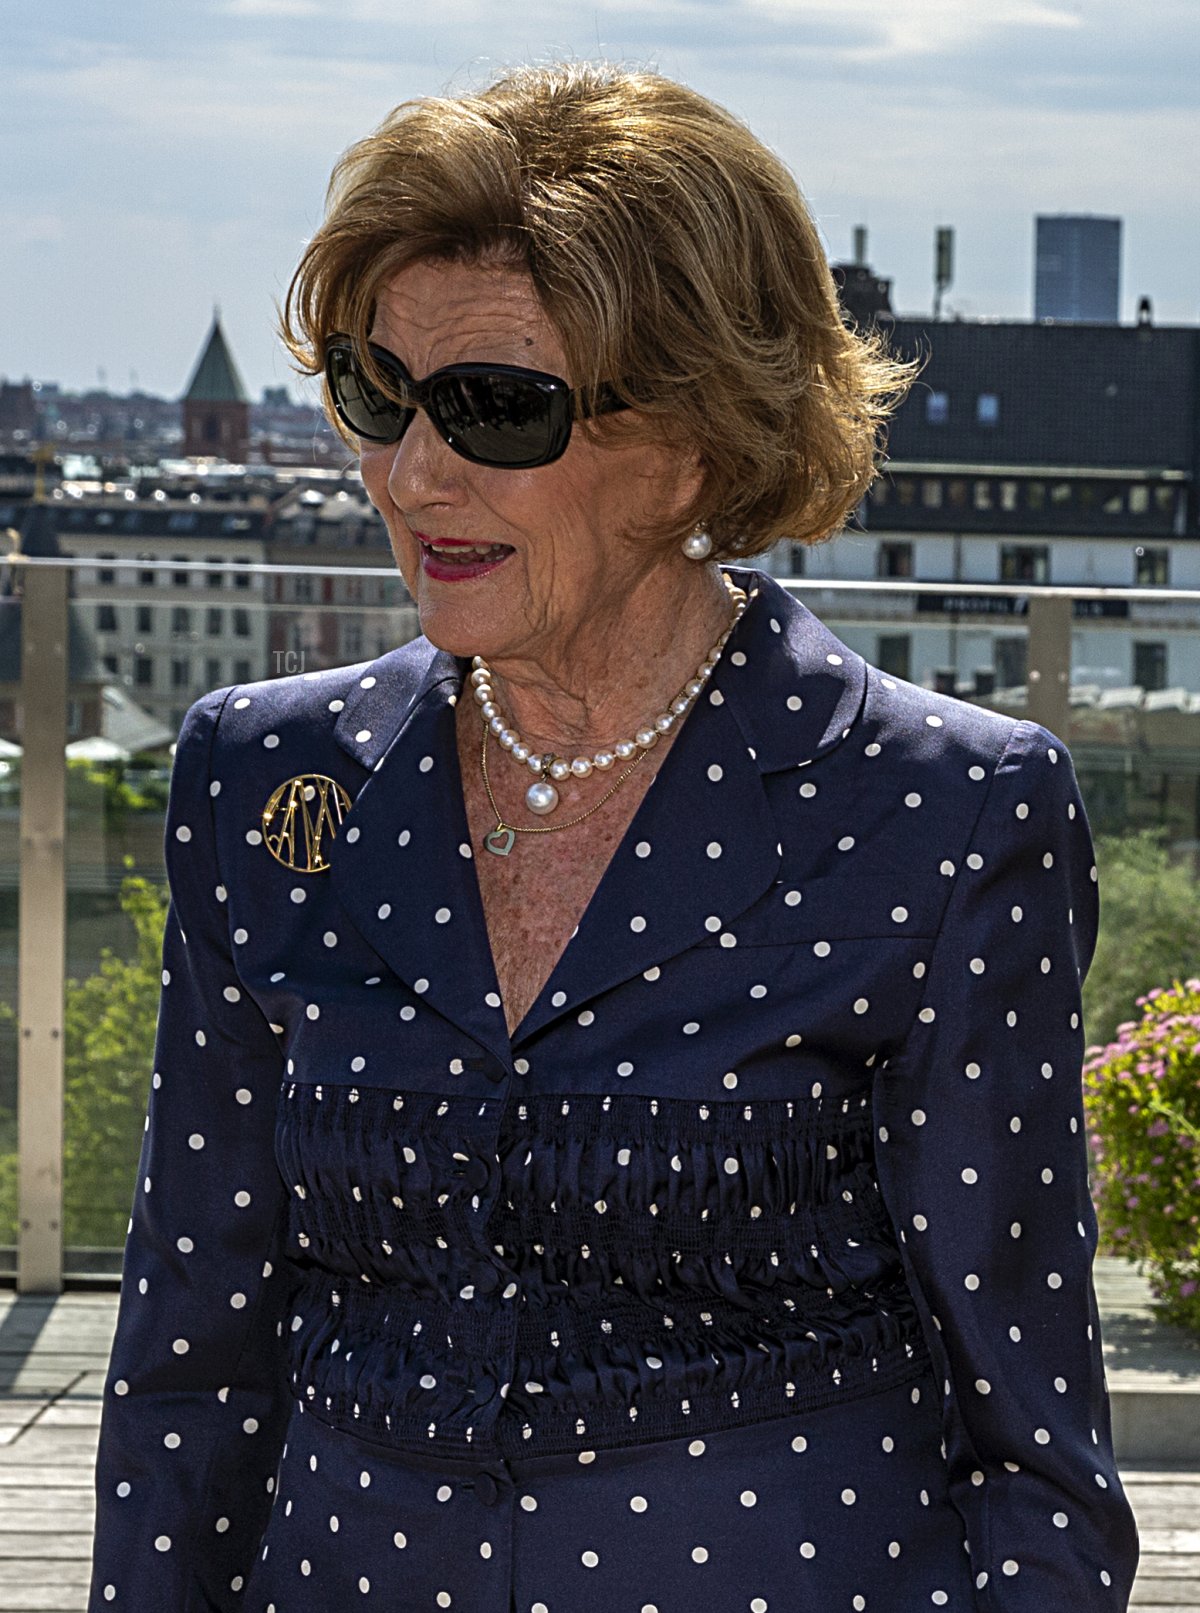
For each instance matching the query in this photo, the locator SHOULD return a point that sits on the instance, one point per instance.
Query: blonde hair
(672, 252)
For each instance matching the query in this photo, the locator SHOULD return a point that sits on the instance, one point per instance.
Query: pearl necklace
(541, 797)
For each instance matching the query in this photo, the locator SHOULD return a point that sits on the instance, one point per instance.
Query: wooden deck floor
(53, 1356)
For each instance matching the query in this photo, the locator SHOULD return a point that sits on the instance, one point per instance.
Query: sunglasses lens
(498, 419)
(362, 406)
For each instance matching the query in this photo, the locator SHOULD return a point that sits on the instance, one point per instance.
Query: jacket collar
(780, 653)
(785, 692)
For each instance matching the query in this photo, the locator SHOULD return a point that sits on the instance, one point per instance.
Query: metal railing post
(1049, 669)
(42, 929)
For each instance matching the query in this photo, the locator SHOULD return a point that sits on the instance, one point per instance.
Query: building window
(352, 636)
(241, 623)
(1061, 493)
(956, 492)
(894, 654)
(1139, 499)
(181, 619)
(931, 493)
(1008, 495)
(147, 577)
(180, 579)
(214, 579)
(241, 671)
(145, 619)
(1011, 657)
(983, 495)
(797, 554)
(106, 573)
(106, 618)
(1035, 495)
(1151, 567)
(987, 409)
(879, 491)
(1164, 500)
(937, 408)
(212, 672)
(214, 621)
(112, 665)
(906, 490)
(894, 560)
(181, 521)
(1150, 665)
(181, 672)
(1024, 562)
(143, 671)
(241, 579)
(302, 587)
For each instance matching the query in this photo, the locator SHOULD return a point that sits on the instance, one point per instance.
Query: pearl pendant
(541, 797)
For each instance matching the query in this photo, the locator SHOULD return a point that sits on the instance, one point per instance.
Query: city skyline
(166, 160)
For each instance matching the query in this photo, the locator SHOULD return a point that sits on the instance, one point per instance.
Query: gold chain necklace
(500, 840)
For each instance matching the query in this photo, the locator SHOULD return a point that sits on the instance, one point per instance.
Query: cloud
(269, 9)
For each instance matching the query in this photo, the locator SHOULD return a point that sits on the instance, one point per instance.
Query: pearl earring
(697, 545)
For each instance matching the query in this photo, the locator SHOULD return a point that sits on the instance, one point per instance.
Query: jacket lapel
(398, 866)
(704, 844)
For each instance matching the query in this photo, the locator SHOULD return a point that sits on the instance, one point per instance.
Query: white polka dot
(899, 914)
(748, 1498)
(912, 799)
(807, 1549)
(699, 1554)
(716, 773)
(713, 848)
(442, 916)
(849, 1497)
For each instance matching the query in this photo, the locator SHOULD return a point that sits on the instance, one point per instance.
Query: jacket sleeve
(982, 1160)
(195, 1398)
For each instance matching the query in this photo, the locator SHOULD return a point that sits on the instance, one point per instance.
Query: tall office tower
(1077, 269)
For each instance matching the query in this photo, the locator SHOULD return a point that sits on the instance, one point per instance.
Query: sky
(161, 157)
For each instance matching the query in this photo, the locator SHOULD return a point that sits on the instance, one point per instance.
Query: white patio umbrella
(98, 749)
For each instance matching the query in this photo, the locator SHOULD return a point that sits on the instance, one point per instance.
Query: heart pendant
(500, 841)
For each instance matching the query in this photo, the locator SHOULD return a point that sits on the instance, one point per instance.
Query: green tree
(1149, 929)
(110, 1021)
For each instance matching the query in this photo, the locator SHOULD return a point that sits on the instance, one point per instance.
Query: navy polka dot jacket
(752, 1271)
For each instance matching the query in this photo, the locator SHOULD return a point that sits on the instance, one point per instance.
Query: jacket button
(486, 1280)
(487, 1489)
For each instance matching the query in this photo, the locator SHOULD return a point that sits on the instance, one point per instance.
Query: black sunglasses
(492, 414)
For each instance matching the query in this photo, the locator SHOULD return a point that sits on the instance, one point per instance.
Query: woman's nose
(424, 466)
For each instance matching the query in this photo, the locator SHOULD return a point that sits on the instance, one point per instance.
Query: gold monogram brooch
(299, 815)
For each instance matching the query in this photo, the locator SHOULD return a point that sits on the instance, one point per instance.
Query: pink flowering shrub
(1142, 1102)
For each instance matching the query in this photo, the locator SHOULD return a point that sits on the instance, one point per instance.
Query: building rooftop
(215, 378)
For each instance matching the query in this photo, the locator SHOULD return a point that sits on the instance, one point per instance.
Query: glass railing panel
(151, 660)
(151, 649)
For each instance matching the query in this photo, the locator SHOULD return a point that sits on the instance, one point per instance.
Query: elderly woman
(615, 1143)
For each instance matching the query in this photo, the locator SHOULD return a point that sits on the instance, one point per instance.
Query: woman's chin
(464, 619)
